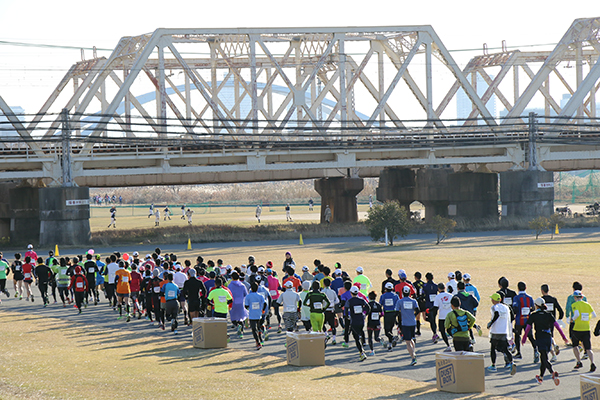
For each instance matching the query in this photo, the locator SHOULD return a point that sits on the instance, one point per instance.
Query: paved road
(393, 363)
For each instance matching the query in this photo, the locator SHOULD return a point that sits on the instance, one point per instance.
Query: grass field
(50, 358)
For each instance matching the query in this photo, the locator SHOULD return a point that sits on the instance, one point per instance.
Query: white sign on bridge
(545, 185)
(78, 202)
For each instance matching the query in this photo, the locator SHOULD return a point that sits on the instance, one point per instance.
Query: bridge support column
(25, 214)
(340, 195)
(527, 193)
(397, 184)
(473, 195)
(432, 191)
(64, 216)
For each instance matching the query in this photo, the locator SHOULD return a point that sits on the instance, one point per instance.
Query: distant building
(464, 106)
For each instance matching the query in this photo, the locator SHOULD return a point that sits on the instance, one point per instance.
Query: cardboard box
(305, 349)
(589, 385)
(459, 372)
(209, 333)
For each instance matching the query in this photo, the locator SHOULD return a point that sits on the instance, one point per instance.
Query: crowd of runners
(160, 287)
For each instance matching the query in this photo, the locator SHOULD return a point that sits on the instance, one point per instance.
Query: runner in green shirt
(220, 300)
(4, 270)
(365, 283)
(582, 313)
(318, 303)
(62, 280)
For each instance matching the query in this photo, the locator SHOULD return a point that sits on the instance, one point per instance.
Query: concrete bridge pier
(528, 193)
(48, 216)
(432, 191)
(340, 194)
(473, 195)
(397, 184)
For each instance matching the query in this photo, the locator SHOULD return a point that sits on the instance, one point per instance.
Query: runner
(113, 218)
(431, 289)
(43, 274)
(582, 313)
(288, 213)
(306, 275)
(52, 263)
(355, 309)
(91, 269)
(111, 269)
(31, 253)
(442, 306)
(365, 283)
(316, 301)
(220, 299)
(4, 271)
(522, 306)
(569, 310)
(451, 285)
(409, 308)
(291, 303)
(552, 306)
(78, 285)
(500, 328)
(28, 277)
(179, 279)
(195, 293)
(388, 301)
(188, 215)
(122, 279)
(238, 313)
(330, 317)
(167, 213)
(171, 294)
(154, 286)
(62, 281)
(256, 306)
(458, 324)
(544, 322)
(327, 214)
(136, 286)
(468, 303)
(374, 321)
(274, 288)
(419, 286)
(304, 310)
(156, 217)
(17, 273)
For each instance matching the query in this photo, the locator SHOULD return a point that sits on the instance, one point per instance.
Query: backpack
(462, 321)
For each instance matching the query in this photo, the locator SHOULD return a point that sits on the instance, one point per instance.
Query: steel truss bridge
(238, 105)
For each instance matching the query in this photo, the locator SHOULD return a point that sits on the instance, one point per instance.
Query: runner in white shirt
(179, 279)
(291, 303)
(442, 304)
(189, 214)
(451, 286)
(500, 332)
(156, 217)
(111, 269)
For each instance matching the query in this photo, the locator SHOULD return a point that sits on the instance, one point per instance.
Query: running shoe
(555, 378)
(119, 317)
(479, 331)
(413, 362)
(64, 305)
(175, 332)
(384, 344)
(45, 305)
(435, 338)
(16, 295)
(334, 342)
(162, 326)
(584, 357)
(448, 349)
(27, 298)
(553, 359)
(418, 333)
(128, 318)
(266, 336)
(513, 368)
(593, 367)
(371, 353)
(345, 345)
(80, 311)
(518, 356)
(536, 357)
(539, 379)
(389, 347)
(279, 329)
(362, 357)
(258, 346)
(578, 365)
(556, 349)
(395, 341)
(8, 294)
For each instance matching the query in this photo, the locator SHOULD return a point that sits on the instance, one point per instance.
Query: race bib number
(375, 316)
(272, 292)
(550, 306)
(525, 311)
(358, 309)
(63, 271)
(256, 306)
(79, 285)
(156, 289)
(27, 275)
(508, 301)
(407, 306)
(125, 279)
(363, 286)
(318, 306)
(91, 270)
(585, 317)
(171, 294)
(389, 302)
(222, 299)
(289, 309)
(446, 305)
(432, 297)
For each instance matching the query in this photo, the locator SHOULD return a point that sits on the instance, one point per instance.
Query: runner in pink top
(274, 288)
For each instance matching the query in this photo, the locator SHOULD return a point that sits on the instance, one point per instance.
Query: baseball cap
(496, 297)
(288, 284)
(540, 302)
(354, 289)
(305, 268)
(406, 289)
(401, 271)
(148, 256)
(136, 254)
(389, 285)
(451, 275)
(29, 246)
(258, 278)
(337, 271)
(261, 269)
(228, 267)
(359, 269)
(577, 293)
(402, 275)
(77, 269)
(466, 276)
(269, 271)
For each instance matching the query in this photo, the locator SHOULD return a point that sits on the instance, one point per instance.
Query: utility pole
(67, 172)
